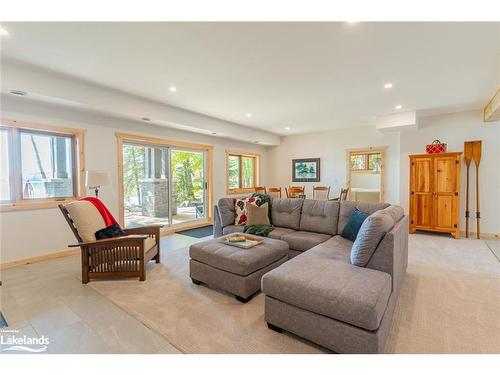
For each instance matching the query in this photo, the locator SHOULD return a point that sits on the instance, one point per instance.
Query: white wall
(366, 180)
(33, 232)
(331, 147)
(454, 129)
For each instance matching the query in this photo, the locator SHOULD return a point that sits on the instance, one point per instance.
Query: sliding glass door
(162, 185)
(188, 185)
(145, 185)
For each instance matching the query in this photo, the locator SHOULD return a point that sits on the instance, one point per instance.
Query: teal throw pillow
(353, 225)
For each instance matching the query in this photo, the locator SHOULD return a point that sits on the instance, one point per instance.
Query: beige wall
(34, 232)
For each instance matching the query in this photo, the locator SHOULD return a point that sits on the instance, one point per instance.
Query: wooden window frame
(366, 155)
(14, 128)
(367, 150)
(256, 171)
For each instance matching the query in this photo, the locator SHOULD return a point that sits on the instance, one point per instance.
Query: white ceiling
(308, 76)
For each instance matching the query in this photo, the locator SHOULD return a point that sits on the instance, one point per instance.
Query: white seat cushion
(149, 243)
(86, 218)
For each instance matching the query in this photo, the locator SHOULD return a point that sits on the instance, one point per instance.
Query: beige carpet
(449, 304)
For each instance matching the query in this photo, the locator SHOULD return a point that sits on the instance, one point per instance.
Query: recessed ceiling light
(18, 92)
(249, 115)
(172, 89)
(3, 32)
(399, 106)
(287, 128)
(388, 85)
(145, 119)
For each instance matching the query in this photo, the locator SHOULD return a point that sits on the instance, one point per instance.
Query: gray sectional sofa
(319, 294)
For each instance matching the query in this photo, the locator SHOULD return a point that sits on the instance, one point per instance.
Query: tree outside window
(241, 172)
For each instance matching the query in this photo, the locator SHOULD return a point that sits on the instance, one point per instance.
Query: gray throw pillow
(258, 215)
(371, 232)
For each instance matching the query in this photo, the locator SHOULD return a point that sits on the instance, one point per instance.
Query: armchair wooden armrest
(118, 240)
(149, 229)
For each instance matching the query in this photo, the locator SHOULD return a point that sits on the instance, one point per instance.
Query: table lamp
(95, 179)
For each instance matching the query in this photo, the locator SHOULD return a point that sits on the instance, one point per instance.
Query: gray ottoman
(235, 270)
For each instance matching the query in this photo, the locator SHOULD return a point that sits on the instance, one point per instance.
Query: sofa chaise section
(320, 296)
(316, 282)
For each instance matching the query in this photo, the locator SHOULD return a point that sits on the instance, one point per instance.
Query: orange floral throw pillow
(240, 208)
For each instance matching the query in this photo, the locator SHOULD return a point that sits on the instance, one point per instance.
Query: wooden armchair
(115, 257)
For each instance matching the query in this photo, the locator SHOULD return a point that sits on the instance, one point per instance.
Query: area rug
(198, 232)
(494, 246)
(448, 304)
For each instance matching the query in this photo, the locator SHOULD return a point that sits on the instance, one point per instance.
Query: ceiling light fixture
(287, 128)
(172, 89)
(249, 115)
(388, 85)
(399, 106)
(3, 32)
(18, 92)
(145, 119)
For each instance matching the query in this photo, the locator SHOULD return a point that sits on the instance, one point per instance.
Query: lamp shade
(95, 179)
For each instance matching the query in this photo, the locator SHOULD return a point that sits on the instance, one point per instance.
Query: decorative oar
(468, 159)
(476, 156)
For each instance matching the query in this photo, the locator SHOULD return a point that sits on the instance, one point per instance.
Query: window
(5, 168)
(46, 165)
(366, 162)
(40, 164)
(242, 172)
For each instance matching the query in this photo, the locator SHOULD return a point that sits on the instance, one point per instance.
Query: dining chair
(295, 191)
(260, 189)
(343, 195)
(274, 192)
(321, 193)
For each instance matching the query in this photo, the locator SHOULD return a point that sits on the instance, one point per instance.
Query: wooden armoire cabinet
(435, 192)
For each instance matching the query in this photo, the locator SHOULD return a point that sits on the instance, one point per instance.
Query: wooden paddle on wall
(476, 156)
(468, 159)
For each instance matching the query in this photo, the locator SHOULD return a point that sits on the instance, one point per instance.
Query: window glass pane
(358, 162)
(247, 174)
(374, 162)
(5, 183)
(46, 165)
(233, 171)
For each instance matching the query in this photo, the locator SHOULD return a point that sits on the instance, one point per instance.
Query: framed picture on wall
(305, 170)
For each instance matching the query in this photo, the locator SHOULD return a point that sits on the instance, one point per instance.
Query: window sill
(34, 205)
(240, 191)
(364, 171)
